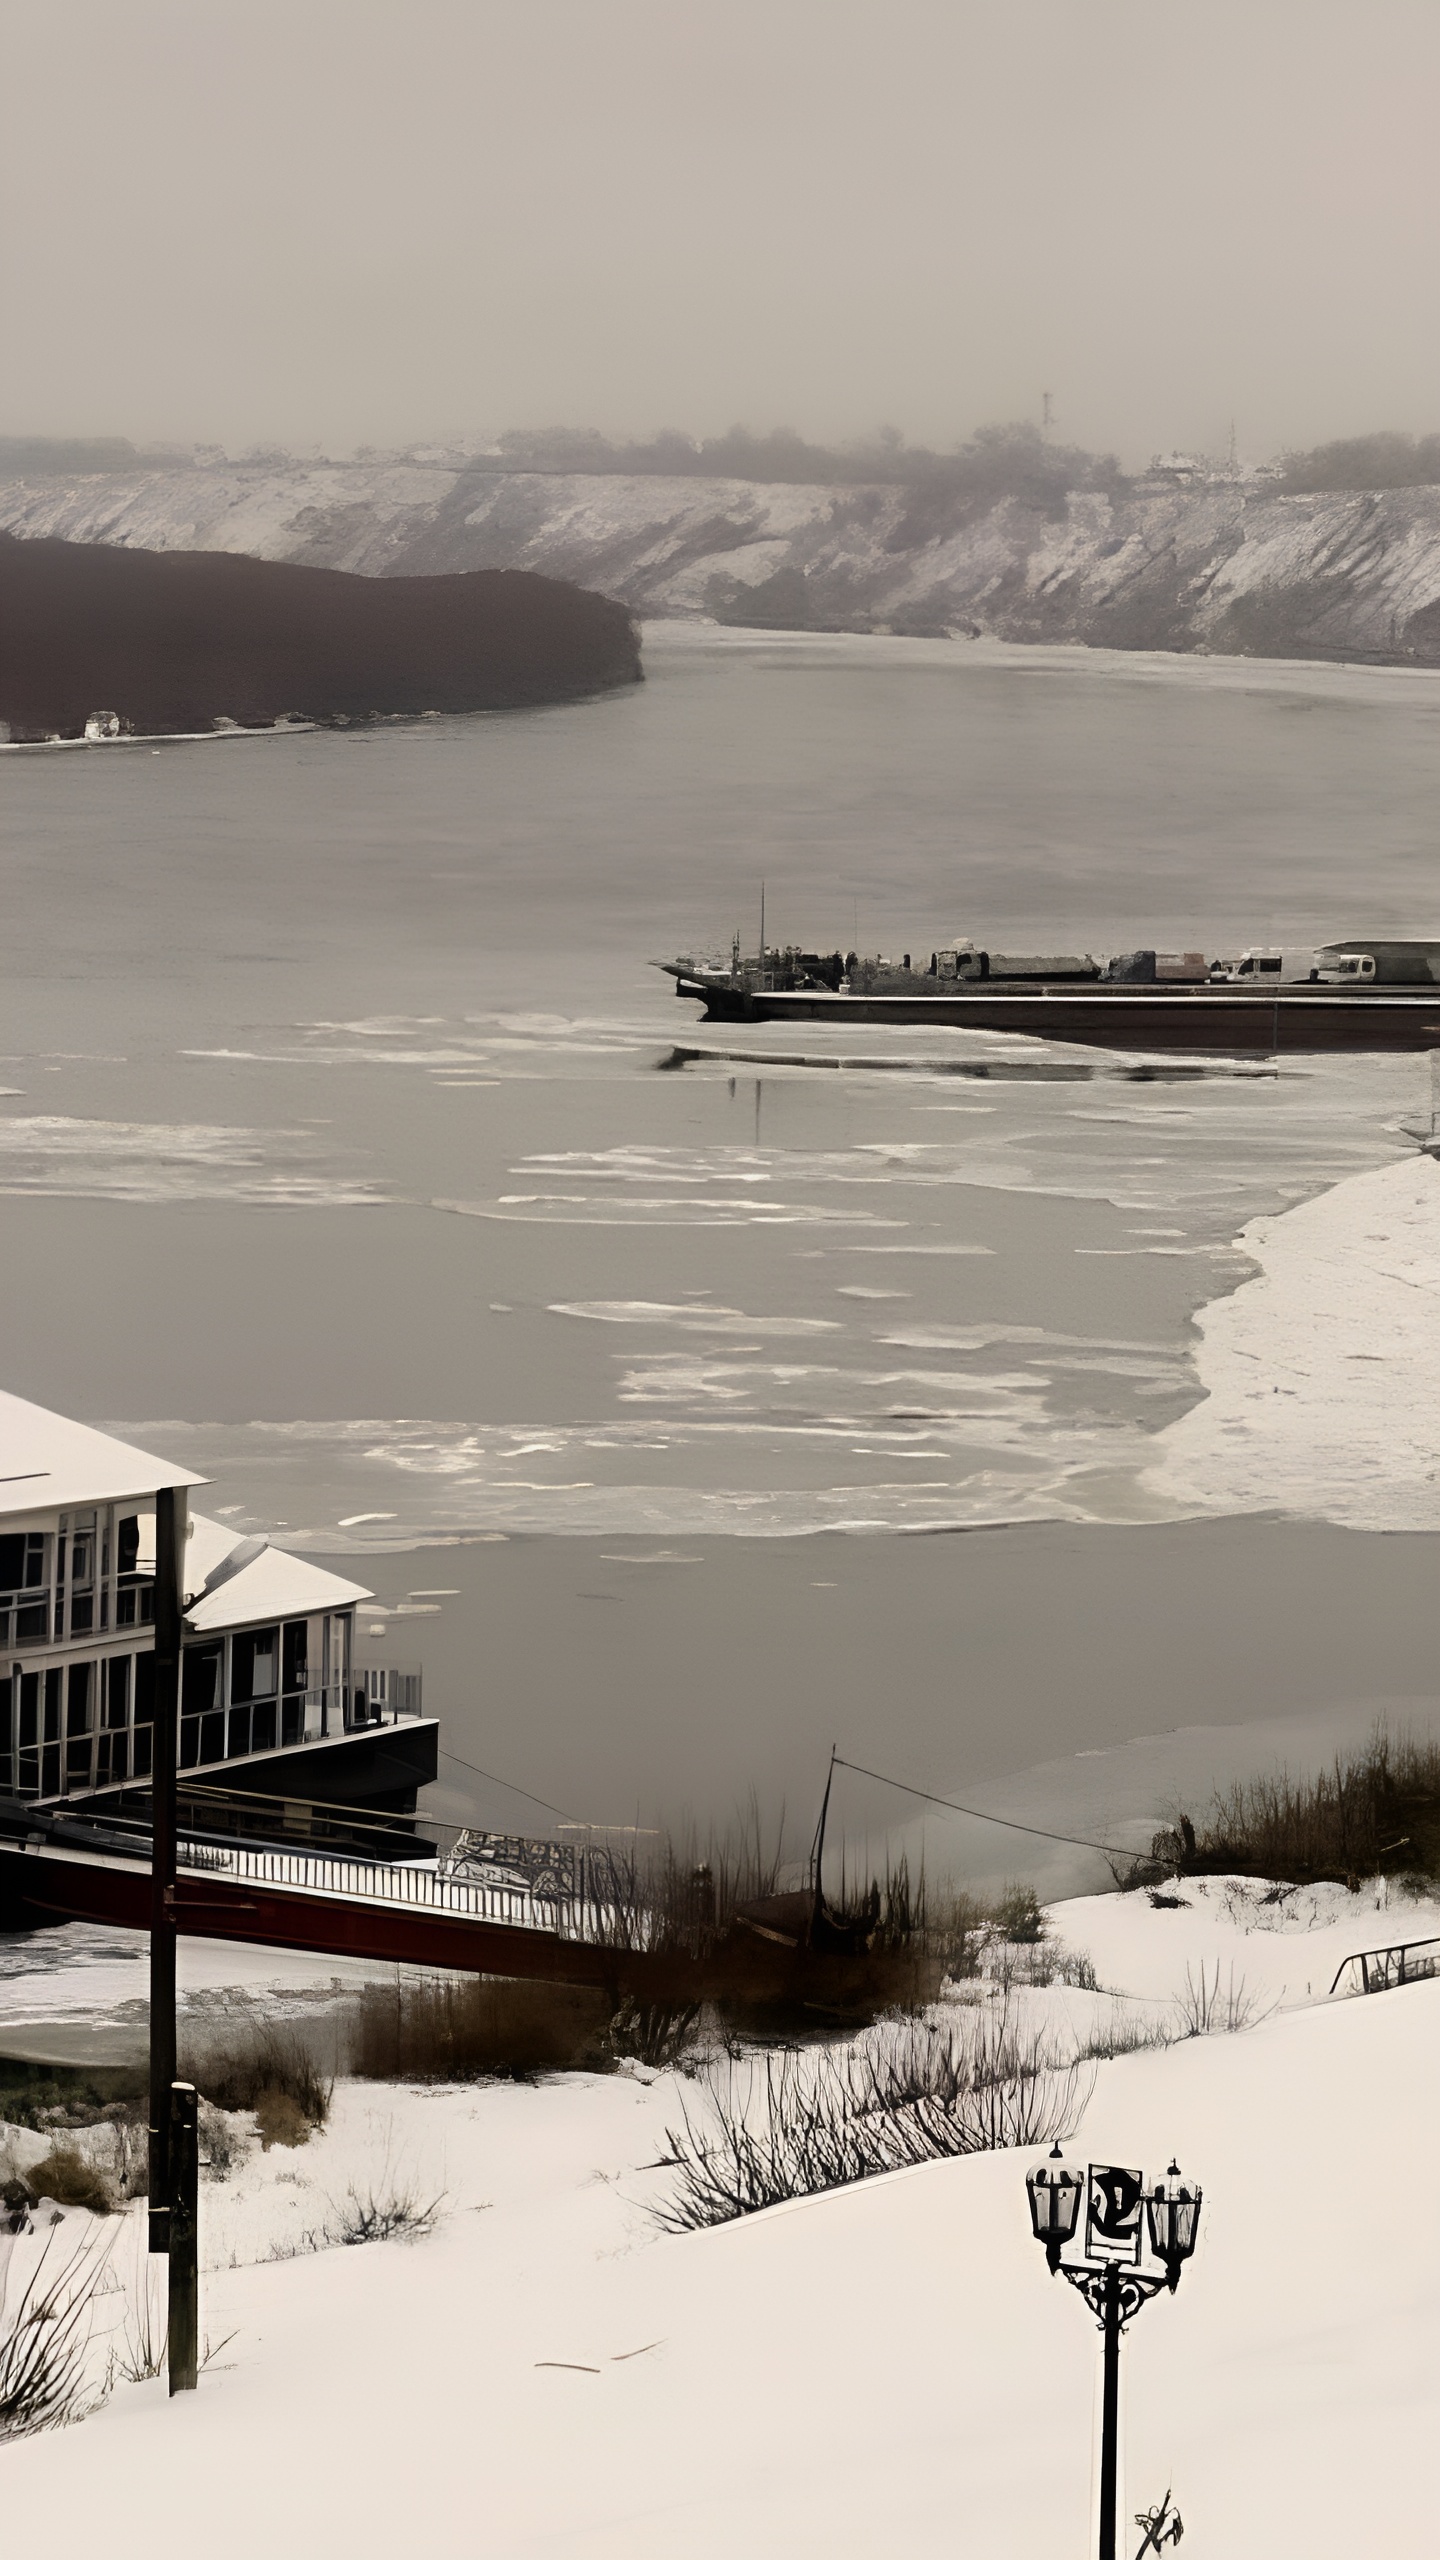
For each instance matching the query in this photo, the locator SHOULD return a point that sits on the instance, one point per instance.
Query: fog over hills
(1013, 540)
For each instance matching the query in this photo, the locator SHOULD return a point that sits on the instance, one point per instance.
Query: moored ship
(273, 1701)
(1364, 992)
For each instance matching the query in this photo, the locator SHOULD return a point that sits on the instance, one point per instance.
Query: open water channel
(688, 1417)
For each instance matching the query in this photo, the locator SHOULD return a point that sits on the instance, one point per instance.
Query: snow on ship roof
(267, 1583)
(49, 1462)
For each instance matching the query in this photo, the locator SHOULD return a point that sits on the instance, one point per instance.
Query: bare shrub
(653, 2032)
(470, 2029)
(1018, 1916)
(990, 2085)
(255, 2063)
(130, 2152)
(1125, 2031)
(43, 2341)
(223, 2143)
(382, 2212)
(958, 1926)
(1038, 1964)
(68, 2176)
(1375, 1813)
(279, 2119)
(145, 2339)
(794, 2124)
(1205, 2008)
(685, 1895)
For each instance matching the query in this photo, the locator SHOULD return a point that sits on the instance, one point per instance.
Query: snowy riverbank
(1227, 566)
(1323, 1374)
(888, 2366)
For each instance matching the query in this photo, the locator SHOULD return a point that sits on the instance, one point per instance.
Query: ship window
(117, 1690)
(24, 1600)
(134, 1565)
(78, 1705)
(22, 1561)
(297, 1655)
(27, 1768)
(200, 1678)
(253, 1665)
(1272, 965)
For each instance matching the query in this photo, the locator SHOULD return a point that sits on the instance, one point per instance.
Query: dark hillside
(176, 640)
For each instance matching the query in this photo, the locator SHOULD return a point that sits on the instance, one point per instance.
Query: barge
(1364, 993)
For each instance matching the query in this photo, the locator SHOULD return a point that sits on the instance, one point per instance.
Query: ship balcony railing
(368, 1699)
(384, 1693)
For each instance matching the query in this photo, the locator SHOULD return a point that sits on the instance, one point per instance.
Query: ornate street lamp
(1055, 2193)
(1110, 2273)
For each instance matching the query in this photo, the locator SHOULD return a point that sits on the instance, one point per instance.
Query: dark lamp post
(1109, 2272)
(1055, 2193)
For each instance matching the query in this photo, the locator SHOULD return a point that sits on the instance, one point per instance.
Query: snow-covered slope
(1227, 565)
(888, 2368)
(1323, 1374)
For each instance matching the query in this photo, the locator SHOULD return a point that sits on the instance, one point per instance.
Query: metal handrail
(1392, 1966)
(414, 1888)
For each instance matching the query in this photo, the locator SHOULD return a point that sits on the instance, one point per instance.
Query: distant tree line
(996, 462)
(1381, 461)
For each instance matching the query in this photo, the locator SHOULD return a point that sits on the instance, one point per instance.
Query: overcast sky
(374, 220)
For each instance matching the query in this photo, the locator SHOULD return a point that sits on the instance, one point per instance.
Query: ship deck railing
(336, 1877)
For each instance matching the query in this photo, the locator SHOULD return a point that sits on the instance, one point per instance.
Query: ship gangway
(324, 1900)
(320, 1902)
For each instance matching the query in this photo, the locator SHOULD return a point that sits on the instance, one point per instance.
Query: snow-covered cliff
(1225, 566)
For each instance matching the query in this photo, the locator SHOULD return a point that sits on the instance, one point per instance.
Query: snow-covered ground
(1323, 1374)
(888, 2367)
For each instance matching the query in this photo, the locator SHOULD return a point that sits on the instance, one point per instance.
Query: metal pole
(169, 1541)
(184, 2339)
(1110, 2415)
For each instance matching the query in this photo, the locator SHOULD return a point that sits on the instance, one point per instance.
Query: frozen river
(342, 1156)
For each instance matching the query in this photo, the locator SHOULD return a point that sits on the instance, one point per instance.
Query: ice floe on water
(159, 1161)
(1322, 1374)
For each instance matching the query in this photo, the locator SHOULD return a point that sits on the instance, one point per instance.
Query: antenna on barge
(762, 934)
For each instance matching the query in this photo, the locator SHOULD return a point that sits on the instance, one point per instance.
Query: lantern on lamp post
(1110, 2272)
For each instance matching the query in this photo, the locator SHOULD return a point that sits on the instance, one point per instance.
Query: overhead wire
(1034, 1830)
(509, 1785)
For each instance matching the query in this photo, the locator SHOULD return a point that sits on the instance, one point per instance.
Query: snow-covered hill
(1225, 565)
(884, 2368)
